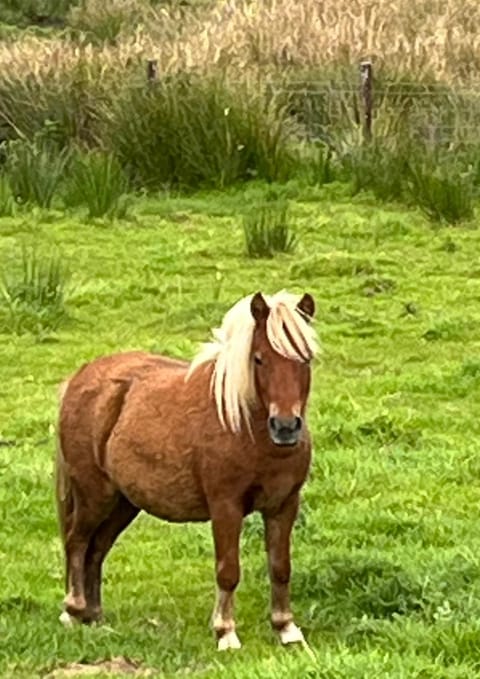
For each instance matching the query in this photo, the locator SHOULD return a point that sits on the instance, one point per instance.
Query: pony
(214, 439)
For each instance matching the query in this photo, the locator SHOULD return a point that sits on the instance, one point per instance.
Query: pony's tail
(63, 487)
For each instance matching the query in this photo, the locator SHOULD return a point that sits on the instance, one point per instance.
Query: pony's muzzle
(285, 431)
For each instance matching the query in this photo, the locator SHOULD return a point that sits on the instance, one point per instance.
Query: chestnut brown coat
(142, 431)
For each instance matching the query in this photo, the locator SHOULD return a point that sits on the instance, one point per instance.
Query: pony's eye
(258, 359)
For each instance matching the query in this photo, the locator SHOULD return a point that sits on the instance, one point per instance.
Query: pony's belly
(162, 485)
(177, 514)
(180, 503)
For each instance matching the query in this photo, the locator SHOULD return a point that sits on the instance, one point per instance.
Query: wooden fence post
(366, 93)
(152, 70)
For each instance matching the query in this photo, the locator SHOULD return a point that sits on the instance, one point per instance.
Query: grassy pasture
(386, 569)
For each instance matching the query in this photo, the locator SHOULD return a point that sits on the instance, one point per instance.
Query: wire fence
(435, 111)
(351, 104)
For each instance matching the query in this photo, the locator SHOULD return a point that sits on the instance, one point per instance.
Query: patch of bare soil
(117, 667)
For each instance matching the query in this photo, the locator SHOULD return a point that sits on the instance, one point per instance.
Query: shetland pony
(212, 440)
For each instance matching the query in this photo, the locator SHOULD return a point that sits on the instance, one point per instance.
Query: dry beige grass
(421, 38)
(425, 37)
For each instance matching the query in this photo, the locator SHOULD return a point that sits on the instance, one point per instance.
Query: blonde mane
(289, 333)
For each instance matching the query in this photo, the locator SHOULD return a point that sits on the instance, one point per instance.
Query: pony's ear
(259, 307)
(307, 305)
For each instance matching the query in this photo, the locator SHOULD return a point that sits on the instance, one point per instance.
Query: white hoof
(67, 620)
(229, 640)
(291, 634)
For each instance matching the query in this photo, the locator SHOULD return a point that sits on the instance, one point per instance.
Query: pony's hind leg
(100, 544)
(89, 510)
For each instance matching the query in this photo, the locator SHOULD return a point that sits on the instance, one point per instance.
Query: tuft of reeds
(35, 170)
(443, 191)
(33, 293)
(97, 180)
(268, 231)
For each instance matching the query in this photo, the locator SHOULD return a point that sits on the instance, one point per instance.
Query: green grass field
(386, 557)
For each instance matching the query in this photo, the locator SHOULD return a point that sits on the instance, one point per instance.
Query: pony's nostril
(272, 423)
(298, 424)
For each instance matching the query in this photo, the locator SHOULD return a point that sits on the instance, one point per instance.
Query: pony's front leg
(278, 529)
(226, 525)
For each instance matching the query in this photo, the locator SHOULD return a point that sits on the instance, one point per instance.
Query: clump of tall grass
(268, 231)
(192, 131)
(33, 294)
(98, 181)
(442, 190)
(35, 170)
(376, 167)
(52, 89)
(317, 163)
